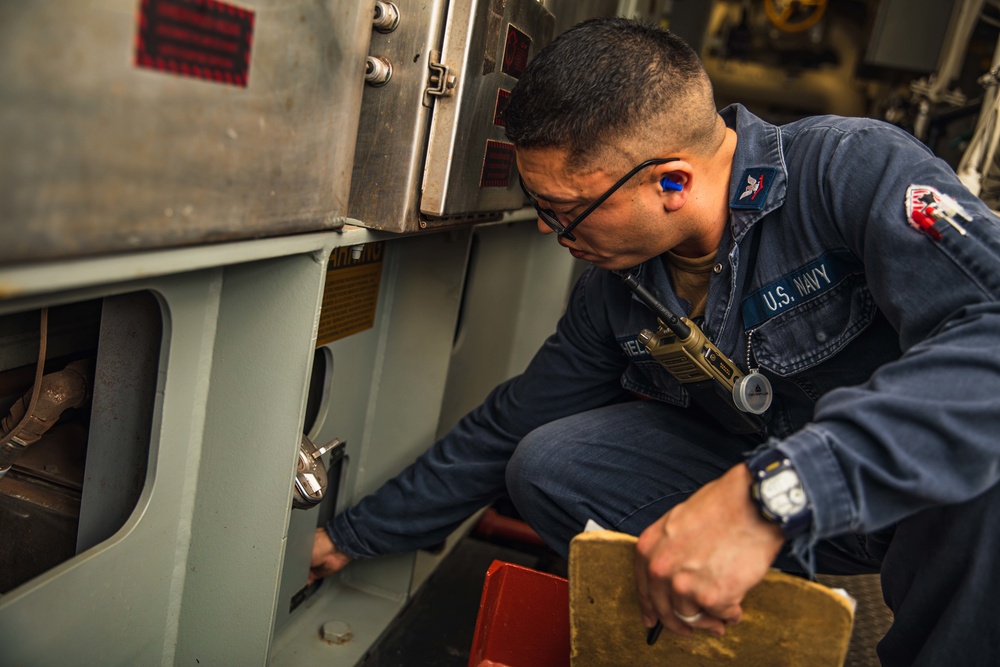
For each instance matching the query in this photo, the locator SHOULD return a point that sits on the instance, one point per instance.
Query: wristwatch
(779, 494)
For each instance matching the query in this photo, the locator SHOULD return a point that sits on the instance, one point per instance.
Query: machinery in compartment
(251, 253)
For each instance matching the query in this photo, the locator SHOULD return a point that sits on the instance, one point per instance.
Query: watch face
(782, 493)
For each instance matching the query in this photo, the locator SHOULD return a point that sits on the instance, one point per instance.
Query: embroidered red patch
(921, 203)
(925, 206)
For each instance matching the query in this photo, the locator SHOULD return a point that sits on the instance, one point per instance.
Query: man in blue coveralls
(836, 258)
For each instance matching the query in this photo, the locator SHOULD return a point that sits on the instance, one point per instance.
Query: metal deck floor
(436, 628)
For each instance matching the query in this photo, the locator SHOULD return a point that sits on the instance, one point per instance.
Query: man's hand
(703, 556)
(326, 557)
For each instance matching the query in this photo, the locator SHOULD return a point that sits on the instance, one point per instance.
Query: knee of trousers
(532, 474)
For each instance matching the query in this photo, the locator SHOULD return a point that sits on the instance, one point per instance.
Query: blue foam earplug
(667, 184)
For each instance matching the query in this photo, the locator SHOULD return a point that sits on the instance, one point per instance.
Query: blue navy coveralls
(879, 330)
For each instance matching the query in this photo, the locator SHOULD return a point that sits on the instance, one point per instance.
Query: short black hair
(604, 80)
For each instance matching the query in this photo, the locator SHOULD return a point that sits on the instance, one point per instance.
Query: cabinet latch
(441, 82)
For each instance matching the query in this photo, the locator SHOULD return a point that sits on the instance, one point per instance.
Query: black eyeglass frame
(549, 217)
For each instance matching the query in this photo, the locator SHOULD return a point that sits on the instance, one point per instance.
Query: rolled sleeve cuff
(811, 452)
(342, 533)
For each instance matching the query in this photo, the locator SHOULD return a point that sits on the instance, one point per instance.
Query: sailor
(836, 257)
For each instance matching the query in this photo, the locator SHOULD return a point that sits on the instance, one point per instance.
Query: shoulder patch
(925, 205)
(756, 183)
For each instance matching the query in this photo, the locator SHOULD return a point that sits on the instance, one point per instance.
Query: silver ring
(694, 618)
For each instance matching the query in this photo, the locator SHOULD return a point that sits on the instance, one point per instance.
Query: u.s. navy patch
(754, 186)
(803, 284)
(925, 206)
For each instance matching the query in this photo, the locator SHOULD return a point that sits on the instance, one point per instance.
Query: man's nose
(543, 226)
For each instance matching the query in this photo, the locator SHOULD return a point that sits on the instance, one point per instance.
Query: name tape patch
(632, 348)
(800, 286)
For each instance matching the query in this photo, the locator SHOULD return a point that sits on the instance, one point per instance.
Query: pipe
(964, 17)
(43, 340)
(28, 420)
(494, 524)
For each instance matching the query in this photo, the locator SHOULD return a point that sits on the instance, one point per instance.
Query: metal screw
(386, 16)
(378, 71)
(337, 632)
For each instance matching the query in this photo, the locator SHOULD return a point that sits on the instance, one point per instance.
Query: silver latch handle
(442, 81)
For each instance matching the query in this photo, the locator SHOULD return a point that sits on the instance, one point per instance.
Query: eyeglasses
(549, 217)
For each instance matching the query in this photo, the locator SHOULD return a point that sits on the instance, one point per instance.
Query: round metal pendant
(752, 393)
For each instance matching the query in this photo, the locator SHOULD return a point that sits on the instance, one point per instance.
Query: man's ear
(673, 180)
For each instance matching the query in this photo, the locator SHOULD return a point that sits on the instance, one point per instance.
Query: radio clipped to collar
(708, 375)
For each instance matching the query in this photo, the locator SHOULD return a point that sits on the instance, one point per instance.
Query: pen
(654, 633)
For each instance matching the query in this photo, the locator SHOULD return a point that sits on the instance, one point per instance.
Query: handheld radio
(711, 379)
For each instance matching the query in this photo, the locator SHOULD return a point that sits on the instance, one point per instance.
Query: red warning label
(503, 96)
(515, 52)
(204, 39)
(497, 164)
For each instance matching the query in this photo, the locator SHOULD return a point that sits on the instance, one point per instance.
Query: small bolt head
(337, 632)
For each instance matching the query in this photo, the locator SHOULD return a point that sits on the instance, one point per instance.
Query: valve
(310, 476)
(794, 15)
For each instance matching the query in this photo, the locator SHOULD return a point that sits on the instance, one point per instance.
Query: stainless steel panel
(416, 167)
(101, 155)
(457, 176)
(392, 135)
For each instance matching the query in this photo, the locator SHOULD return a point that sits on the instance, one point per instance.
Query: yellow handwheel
(794, 15)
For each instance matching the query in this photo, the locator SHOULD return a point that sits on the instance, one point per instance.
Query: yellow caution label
(351, 292)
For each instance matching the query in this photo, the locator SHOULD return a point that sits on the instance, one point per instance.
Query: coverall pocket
(815, 330)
